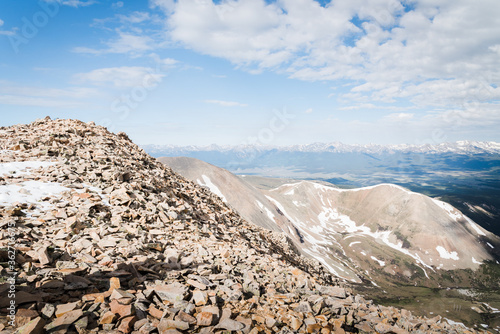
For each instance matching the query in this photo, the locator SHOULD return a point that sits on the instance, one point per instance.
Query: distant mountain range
(459, 147)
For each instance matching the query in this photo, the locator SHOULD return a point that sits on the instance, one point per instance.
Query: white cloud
(73, 3)
(121, 77)
(118, 4)
(308, 111)
(436, 54)
(400, 116)
(77, 3)
(131, 43)
(165, 63)
(12, 94)
(135, 17)
(125, 43)
(226, 103)
(1, 22)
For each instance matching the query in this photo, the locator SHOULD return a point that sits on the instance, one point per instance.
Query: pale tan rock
(120, 309)
(34, 326)
(24, 316)
(62, 309)
(204, 319)
(200, 297)
(108, 318)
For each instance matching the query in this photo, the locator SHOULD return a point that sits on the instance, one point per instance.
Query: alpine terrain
(447, 170)
(99, 237)
(383, 235)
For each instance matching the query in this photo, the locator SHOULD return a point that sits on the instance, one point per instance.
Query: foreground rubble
(118, 243)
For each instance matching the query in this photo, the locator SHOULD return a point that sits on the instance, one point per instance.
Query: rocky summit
(98, 237)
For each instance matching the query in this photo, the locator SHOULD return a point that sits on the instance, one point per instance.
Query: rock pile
(108, 240)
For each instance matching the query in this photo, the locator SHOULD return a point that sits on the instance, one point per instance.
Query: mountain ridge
(384, 227)
(302, 196)
(116, 242)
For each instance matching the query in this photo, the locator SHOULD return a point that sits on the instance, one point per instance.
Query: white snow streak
(268, 212)
(380, 262)
(452, 212)
(456, 215)
(213, 188)
(474, 226)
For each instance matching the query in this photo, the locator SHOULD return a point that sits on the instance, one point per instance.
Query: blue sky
(196, 72)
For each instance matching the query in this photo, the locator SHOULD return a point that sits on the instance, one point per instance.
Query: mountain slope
(97, 236)
(339, 227)
(402, 244)
(464, 174)
(251, 203)
(431, 232)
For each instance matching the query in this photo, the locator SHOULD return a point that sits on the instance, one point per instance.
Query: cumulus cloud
(226, 103)
(438, 53)
(121, 77)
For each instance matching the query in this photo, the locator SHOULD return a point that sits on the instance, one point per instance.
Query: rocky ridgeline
(127, 246)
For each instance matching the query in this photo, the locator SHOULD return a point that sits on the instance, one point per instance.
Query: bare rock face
(108, 240)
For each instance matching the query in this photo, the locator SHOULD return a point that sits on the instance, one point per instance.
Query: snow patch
(213, 188)
(23, 167)
(451, 322)
(98, 191)
(456, 215)
(491, 246)
(474, 226)
(443, 253)
(379, 185)
(282, 209)
(30, 192)
(475, 261)
(381, 263)
(452, 212)
(322, 187)
(268, 212)
(354, 243)
(493, 309)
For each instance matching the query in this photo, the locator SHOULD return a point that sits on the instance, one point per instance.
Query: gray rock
(230, 325)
